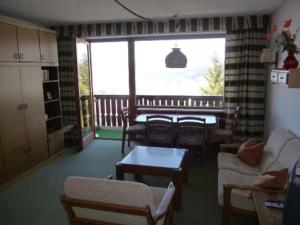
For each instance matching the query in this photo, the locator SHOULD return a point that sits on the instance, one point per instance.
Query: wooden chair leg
(123, 142)
(226, 217)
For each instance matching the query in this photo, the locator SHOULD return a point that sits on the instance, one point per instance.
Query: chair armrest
(230, 148)
(165, 203)
(251, 188)
(227, 189)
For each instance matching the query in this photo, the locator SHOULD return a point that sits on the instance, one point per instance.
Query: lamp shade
(176, 59)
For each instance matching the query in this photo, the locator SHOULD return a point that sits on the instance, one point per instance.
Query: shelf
(52, 100)
(53, 118)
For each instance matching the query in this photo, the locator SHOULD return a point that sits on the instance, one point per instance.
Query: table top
(170, 158)
(268, 216)
(209, 119)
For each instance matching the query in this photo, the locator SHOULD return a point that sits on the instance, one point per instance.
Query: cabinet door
(12, 120)
(2, 173)
(8, 43)
(16, 162)
(48, 46)
(38, 151)
(28, 40)
(56, 142)
(32, 87)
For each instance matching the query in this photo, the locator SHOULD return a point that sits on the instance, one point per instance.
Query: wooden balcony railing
(107, 107)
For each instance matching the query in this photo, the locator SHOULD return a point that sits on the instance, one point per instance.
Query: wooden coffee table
(168, 162)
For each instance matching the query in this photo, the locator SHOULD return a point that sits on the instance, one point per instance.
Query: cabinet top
(22, 23)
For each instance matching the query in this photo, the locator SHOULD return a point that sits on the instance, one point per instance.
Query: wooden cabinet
(19, 44)
(12, 117)
(48, 46)
(8, 43)
(22, 118)
(32, 87)
(56, 142)
(26, 49)
(28, 42)
(38, 151)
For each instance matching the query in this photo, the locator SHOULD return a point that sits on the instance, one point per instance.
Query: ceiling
(54, 12)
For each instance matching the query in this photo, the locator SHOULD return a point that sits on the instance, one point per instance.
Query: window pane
(153, 78)
(110, 68)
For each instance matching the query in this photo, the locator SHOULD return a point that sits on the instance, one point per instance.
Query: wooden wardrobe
(24, 50)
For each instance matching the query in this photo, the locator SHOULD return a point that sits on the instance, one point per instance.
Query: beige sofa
(235, 178)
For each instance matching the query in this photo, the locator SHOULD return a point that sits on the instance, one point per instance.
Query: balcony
(107, 107)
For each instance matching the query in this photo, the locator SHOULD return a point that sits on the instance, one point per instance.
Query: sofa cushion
(278, 138)
(275, 179)
(110, 191)
(290, 154)
(231, 162)
(239, 199)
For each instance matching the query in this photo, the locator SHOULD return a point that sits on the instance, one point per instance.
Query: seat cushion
(278, 138)
(231, 162)
(239, 199)
(110, 191)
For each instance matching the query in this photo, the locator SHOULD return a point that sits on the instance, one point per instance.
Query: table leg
(185, 168)
(119, 172)
(177, 180)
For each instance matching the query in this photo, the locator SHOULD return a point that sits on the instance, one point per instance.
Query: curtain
(68, 83)
(245, 81)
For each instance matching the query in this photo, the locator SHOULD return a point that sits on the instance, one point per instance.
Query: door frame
(84, 141)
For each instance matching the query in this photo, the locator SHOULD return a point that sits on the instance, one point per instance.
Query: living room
(49, 151)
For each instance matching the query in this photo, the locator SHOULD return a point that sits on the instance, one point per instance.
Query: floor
(107, 133)
(34, 200)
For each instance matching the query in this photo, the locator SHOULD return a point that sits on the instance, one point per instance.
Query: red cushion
(272, 179)
(250, 152)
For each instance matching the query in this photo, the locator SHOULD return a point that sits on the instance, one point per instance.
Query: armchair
(91, 201)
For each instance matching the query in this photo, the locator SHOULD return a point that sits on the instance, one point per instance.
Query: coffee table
(157, 161)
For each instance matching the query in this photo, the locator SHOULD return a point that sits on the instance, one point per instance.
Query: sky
(110, 66)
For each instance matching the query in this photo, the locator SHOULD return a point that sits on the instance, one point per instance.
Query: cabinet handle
(42, 56)
(20, 107)
(16, 55)
(21, 56)
(25, 106)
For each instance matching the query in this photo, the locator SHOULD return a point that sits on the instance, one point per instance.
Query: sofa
(235, 178)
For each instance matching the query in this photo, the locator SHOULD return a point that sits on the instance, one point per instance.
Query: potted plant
(286, 41)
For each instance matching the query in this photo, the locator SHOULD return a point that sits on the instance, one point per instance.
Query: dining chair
(225, 135)
(191, 133)
(160, 130)
(96, 201)
(132, 130)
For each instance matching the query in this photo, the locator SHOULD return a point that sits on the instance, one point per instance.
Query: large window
(110, 68)
(202, 76)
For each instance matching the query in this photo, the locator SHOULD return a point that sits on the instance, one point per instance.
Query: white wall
(283, 104)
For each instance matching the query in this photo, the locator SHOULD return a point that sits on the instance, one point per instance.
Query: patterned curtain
(245, 81)
(68, 83)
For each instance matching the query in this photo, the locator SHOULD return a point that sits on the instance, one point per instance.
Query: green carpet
(34, 200)
(108, 134)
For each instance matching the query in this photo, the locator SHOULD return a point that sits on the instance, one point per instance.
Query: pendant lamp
(176, 59)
